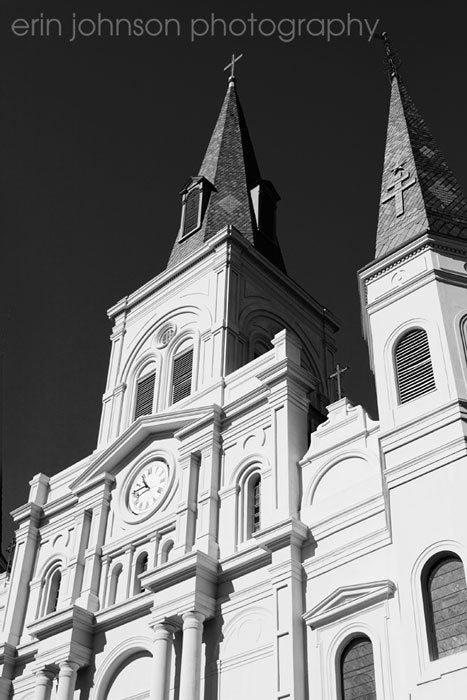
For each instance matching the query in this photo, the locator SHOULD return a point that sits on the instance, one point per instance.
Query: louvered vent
(413, 366)
(192, 203)
(182, 370)
(145, 395)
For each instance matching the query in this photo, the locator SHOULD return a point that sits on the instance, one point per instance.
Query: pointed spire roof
(230, 172)
(419, 192)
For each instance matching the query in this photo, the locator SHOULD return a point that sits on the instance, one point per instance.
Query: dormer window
(194, 202)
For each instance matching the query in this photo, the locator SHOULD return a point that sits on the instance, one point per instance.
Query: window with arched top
(140, 568)
(52, 591)
(253, 504)
(413, 365)
(182, 373)
(145, 386)
(115, 582)
(445, 602)
(357, 670)
(166, 551)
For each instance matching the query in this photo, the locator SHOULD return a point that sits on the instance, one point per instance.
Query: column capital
(67, 668)
(44, 676)
(163, 631)
(192, 618)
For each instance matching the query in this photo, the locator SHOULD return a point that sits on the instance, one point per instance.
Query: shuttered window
(145, 395)
(358, 670)
(414, 369)
(192, 202)
(182, 371)
(446, 607)
(256, 505)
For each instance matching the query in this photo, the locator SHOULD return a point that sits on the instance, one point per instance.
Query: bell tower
(222, 298)
(413, 294)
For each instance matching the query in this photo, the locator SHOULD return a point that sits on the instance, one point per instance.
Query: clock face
(148, 487)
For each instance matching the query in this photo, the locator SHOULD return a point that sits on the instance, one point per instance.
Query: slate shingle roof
(231, 167)
(435, 201)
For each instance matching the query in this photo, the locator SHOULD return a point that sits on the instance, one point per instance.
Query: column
(43, 687)
(66, 680)
(190, 671)
(162, 658)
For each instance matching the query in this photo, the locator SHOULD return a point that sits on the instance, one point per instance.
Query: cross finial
(391, 57)
(231, 66)
(337, 376)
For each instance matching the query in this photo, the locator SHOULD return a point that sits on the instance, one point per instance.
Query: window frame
(401, 336)
(430, 627)
(339, 662)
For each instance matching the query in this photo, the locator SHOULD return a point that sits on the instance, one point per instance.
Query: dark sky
(99, 135)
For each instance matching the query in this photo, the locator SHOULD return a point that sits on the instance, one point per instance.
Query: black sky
(99, 135)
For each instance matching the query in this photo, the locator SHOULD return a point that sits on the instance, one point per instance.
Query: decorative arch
(246, 630)
(166, 550)
(365, 455)
(248, 319)
(115, 583)
(247, 477)
(115, 659)
(140, 567)
(51, 585)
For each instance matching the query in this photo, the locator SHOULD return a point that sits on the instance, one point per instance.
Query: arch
(53, 591)
(167, 548)
(248, 489)
(366, 456)
(140, 567)
(444, 592)
(413, 365)
(356, 672)
(51, 583)
(107, 669)
(251, 329)
(115, 582)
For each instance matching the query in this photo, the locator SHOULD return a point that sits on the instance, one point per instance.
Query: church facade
(241, 530)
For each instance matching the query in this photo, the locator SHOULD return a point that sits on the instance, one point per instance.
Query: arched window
(140, 568)
(145, 385)
(445, 602)
(414, 369)
(166, 551)
(53, 591)
(357, 670)
(114, 584)
(182, 374)
(253, 487)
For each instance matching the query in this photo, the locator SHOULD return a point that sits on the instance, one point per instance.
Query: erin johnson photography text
(75, 28)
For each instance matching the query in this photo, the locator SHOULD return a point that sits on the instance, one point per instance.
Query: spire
(419, 192)
(231, 191)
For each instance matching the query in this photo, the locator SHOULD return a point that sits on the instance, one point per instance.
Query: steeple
(228, 190)
(419, 192)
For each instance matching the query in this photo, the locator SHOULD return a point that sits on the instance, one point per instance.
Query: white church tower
(227, 539)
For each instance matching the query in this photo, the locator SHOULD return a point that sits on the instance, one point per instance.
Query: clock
(148, 487)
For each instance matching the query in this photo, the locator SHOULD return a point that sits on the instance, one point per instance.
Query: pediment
(348, 599)
(137, 434)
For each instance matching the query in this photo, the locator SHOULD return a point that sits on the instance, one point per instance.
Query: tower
(183, 526)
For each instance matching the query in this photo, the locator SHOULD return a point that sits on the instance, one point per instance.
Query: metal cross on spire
(337, 376)
(391, 57)
(231, 65)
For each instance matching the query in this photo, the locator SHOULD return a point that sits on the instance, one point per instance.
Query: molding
(346, 600)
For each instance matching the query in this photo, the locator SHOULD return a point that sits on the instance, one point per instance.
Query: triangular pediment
(137, 434)
(348, 599)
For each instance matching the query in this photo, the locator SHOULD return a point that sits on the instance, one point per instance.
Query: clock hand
(144, 481)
